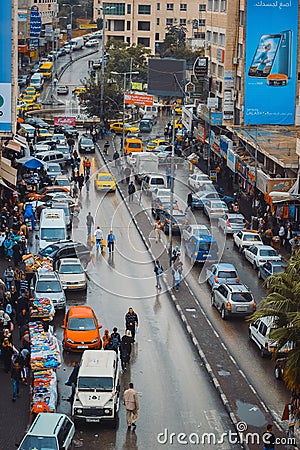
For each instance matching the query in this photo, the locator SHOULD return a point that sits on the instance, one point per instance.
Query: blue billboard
(271, 62)
(5, 65)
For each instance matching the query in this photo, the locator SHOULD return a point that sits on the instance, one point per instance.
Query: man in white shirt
(98, 238)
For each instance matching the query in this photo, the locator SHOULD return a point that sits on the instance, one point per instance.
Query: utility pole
(172, 186)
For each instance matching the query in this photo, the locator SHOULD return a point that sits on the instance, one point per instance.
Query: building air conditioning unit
(235, 61)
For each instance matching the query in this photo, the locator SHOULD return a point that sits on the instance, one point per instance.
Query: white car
(246, 238)
(92, 43)
(259, 254)
(59, 138)
(215, 209)
(198, 179)
(194, 230)
(71, 274)
(231, 223)
(53, 170)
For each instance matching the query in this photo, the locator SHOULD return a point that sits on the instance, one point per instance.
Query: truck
(145, 163)
(77, 43)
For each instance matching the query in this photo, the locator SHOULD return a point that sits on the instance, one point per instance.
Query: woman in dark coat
(125, 349)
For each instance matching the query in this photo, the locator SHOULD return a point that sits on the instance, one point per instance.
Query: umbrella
(31, 162)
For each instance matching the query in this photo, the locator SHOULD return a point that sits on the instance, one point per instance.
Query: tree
(283, 304)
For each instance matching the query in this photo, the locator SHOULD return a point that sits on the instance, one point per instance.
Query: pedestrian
(80, 181)
(177, 278)
(281, 234)
(132, 406)
(89, 223)
(116, 156)
(9, 277)
(17, 257)
(24, 286)
(189, 201)
(105, 339)
(131, 322)
(16, 378)
(116, 339)
(131, 191)
(72, 380)
(268, 236)
(125, 349)
(106, 148)
(22, 321)
(111, 241)
(25, 363)
(269, 438)
(87, 183)
(158, 226)
(169, 177)
(98, 238)
(158, 270)
(8, 247)
(127, 173)
(7, 352)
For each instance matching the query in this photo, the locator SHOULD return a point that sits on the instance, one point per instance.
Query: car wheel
(223, 313)
(258, 274)
(263, 352)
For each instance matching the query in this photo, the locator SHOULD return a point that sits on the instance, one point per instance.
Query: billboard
(166, 76)
(58, 121)
(5, 65)
(271, 58)
(138, 99)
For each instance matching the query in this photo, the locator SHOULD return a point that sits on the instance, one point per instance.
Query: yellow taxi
(155, 143)
(30, 90)
(105, 181)
(44, 134)
(178, 110)
(78, 90)
(27, 99)
(117, 127)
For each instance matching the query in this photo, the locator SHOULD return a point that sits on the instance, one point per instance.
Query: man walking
(111, 240)
(89, 223)
(268, 438)
(98, 238)
(132, 406)
(131, 322)
(158, 270)
(131, 191)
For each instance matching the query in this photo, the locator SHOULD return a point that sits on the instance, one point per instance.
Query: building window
(213, 68)
(128, 39)
(119, 9)
(157, 20)
(240, 50)
(199, 35)
(202, 7)
(170, 6)
(208, 36)
(241, 18)
(158, 6)
(169, 21)
(182, 22)
(157, 36)
(209, 5)
(201, 22)
(119, 25)
(183, 7)
(216, 5)
(144, 41)
(223, 6)
(128, 9)
(128, 26)
(220, 71)
(144, 26)
(222, 39)
(215, 38)
(144, 9)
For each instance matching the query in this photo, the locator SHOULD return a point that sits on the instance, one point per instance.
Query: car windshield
(251, 237)
(53, 234)
(86, 142)
(268, 252)
(236, 220)
(48, 286)
(99, 383)
(217, 205)
(104, 178)
(71, 268)
(207, 246)
(64, 183)
(39, 443)
(50, 251)
(134, 145)
(278, 269)
(201, 232)
(54, 168)
(227, 274)
(81, 324)
(241, 297)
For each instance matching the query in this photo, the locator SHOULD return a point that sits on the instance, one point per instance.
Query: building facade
(47, 8)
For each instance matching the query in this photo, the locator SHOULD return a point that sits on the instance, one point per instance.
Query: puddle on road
(250, 414)
(224, 373)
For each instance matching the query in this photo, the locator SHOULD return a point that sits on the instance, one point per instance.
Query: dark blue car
(271, 268)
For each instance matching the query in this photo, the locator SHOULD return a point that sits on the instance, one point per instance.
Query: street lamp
(124, 90)
(71, 14)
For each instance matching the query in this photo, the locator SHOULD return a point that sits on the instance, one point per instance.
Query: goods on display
(44, 391)
(42, 308)
(45, 353)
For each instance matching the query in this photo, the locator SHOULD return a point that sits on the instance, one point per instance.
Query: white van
(97, 391)
(77, 43)
(26, 130)
(154, 110)
(52, 156)
(53, 226)
(259, 333)
(37, 81)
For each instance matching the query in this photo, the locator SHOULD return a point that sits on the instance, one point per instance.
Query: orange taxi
(46, 190)
(81, 330)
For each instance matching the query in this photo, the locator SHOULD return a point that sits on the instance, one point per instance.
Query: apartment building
(145, 21)
(47, 8)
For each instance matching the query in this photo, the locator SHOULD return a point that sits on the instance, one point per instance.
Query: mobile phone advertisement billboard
(271, 62)
(5, 65)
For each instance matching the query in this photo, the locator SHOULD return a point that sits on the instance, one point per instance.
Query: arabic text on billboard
(64, 121)
(271, 62)
(5, 66)
(139, 99)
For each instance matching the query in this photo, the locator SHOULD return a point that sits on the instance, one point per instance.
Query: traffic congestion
(108, 222)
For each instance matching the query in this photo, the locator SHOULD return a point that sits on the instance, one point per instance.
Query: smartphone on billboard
(265, 55)
(285, 53)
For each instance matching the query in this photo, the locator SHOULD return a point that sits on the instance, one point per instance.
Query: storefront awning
(13, 145)
(7, 172)
(20, 140)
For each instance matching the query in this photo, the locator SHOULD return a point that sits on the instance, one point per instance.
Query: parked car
(92, 43)
(231, 223)
(222, 273)
(195, 230)
(62, 90)
(215, 209)
(244, 238)
(201, 248)
(152, 181)
(53, 170)
(233, 300)
(37, 122)
(198, 179)
(71, 274)
(67, 249)
(47, 284)
(270, 268)
(156, 142)
(259, 254)
(63, 181)
(86, 145)
(178, 220)
(259, 333)
(200, 197)
(81, 329)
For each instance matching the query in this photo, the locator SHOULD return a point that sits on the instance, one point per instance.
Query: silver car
(231, 223)
(47, 284)
(233, 300)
